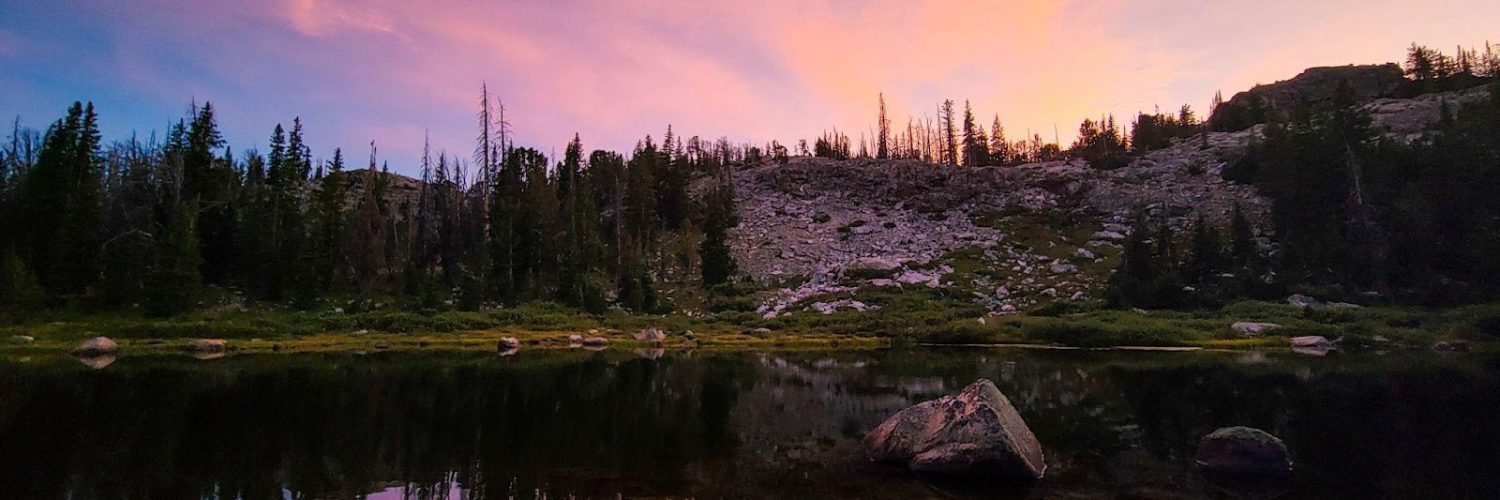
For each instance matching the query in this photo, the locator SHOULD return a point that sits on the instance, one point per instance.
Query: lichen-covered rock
(97, 346)
(1243, 450)
(975, 432)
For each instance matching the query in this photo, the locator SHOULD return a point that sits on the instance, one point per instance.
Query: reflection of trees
(339, 426)
(738, 425)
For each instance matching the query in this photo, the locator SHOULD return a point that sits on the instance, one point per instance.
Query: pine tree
(717, 263)
(883, 137)
(950, 142)
(173, 285)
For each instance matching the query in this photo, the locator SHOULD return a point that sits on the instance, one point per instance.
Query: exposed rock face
(1410, 119)
(1316, 85)
(975, 432)
(1243, 450)
(97, 346)
(822, 227)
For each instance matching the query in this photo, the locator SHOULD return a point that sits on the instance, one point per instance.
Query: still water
(733, 425)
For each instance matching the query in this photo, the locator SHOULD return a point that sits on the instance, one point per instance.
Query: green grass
(913, 315)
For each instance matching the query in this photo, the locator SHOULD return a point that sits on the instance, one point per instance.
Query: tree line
(954, 140)
(157, 223)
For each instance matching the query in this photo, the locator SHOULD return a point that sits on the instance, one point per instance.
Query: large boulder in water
(97, 346)
(975, 432)
(1243, 450)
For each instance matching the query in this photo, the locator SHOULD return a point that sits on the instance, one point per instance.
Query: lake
(563, 424)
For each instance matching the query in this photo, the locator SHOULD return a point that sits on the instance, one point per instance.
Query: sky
(613, 71)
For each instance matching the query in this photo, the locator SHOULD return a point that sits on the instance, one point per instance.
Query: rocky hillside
(1316, 85)
(1011, 237)
(822, 231)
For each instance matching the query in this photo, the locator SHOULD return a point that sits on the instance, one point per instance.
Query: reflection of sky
(614, 71)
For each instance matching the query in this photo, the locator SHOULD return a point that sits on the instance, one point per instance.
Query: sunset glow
(615, 71)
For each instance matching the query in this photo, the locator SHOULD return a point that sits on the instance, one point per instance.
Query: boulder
(208, 345)
(1252, 329)
(651, 335)
(509, 343)
(595, 342)
(1301, 301)
(1060, 267)
(976, 432)
(98, 362)
(575, 341)
(1312, 342)
(22, 339)
(882, 264)
(1108, 236)
(97, 346)
(1243, 450)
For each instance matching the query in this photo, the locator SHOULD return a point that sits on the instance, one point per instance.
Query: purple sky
(614, 71)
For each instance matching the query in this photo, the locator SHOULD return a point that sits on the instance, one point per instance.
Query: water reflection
(669, 424)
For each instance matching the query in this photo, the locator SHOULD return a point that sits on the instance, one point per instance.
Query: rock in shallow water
(97, 346)
(975, 432)
(1243, 450)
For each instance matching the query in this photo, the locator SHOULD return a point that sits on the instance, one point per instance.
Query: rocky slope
(1316, 85)
(1010, 236)
(821, 231)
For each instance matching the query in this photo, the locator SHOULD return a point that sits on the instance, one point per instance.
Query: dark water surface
(741, 425)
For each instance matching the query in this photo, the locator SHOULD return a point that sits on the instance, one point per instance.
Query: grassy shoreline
(904, 321)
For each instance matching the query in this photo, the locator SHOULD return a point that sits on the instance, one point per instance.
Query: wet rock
(575, 341)
(1312, 342)
(208, 345)
(595, 342)
(1243, 450)
(97, 346)
(1250, 328)
(509, 343)
(98, 362)
(977, 432)
(651, 335)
